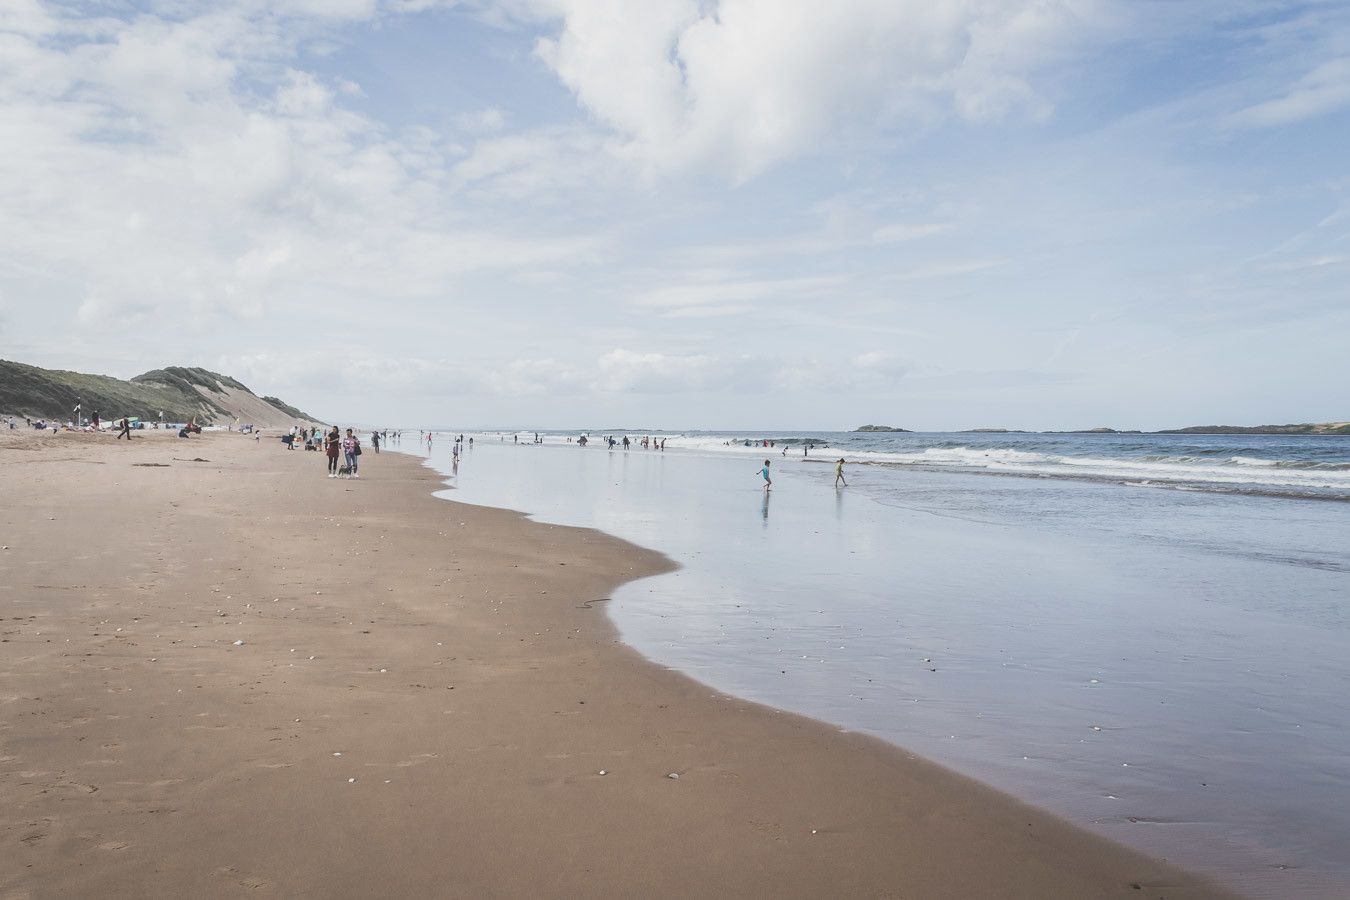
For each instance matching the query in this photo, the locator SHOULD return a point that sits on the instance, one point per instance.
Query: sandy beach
(223, 674)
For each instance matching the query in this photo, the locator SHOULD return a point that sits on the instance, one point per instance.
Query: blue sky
(735, 214)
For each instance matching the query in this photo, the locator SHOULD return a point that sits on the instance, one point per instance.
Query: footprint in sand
(251, 882)
(114, 845)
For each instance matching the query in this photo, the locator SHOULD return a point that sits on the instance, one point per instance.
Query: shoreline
(469, 692)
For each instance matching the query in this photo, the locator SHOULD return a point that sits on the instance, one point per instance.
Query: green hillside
(52, 394)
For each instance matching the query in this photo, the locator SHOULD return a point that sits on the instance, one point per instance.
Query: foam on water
(1313, 466)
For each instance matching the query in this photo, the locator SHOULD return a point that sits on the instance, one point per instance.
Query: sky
(720, 214)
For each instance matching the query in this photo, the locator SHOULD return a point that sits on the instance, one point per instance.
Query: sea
(1148, 635)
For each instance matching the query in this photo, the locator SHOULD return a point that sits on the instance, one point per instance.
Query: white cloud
(742, 84)
(899, 232)
(1323, 90)
(617, 371)
(183, 171)
(713, 293)
(482, 121)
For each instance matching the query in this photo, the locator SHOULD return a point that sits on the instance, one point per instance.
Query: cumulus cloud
(180, 168)
(742, 84)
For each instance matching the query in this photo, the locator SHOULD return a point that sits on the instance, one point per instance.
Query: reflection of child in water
(768, 482)
(839, 474)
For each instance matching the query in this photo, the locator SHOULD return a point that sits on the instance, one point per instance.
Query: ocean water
(1149, 635)
(1316, 466)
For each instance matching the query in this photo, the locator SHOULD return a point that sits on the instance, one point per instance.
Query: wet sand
(423, 700)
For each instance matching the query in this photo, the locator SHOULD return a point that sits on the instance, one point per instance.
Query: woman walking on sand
(839, 473)
(332, 441)
(351, 448)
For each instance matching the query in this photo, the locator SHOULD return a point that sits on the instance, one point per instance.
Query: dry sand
(421, 707)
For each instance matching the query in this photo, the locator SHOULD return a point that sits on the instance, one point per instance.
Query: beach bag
(357, 451)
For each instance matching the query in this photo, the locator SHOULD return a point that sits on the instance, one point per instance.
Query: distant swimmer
(839, 473)
(768, 482)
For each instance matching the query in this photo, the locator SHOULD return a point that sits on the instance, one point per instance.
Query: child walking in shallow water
(768, 482)
(839, 473)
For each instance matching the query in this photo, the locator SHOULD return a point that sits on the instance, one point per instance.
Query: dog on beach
(345, 471)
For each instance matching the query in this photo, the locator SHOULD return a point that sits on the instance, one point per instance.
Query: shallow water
(1168, 668)
(1305, 466)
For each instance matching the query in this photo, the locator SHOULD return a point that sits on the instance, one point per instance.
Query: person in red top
(332, 443)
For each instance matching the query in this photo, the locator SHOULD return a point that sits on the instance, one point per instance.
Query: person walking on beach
(351, 448)
(332, 442)
(839, 473)
(768, 482)
(375, 440)
(126, 429)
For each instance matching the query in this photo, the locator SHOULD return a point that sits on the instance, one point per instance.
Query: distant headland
(1323, 428)
(1334, 428)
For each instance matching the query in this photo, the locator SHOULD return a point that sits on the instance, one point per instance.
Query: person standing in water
(839, 473)
(768, 482)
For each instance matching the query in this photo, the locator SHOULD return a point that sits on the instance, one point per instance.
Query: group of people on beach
(646, 442)
(347, 445)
